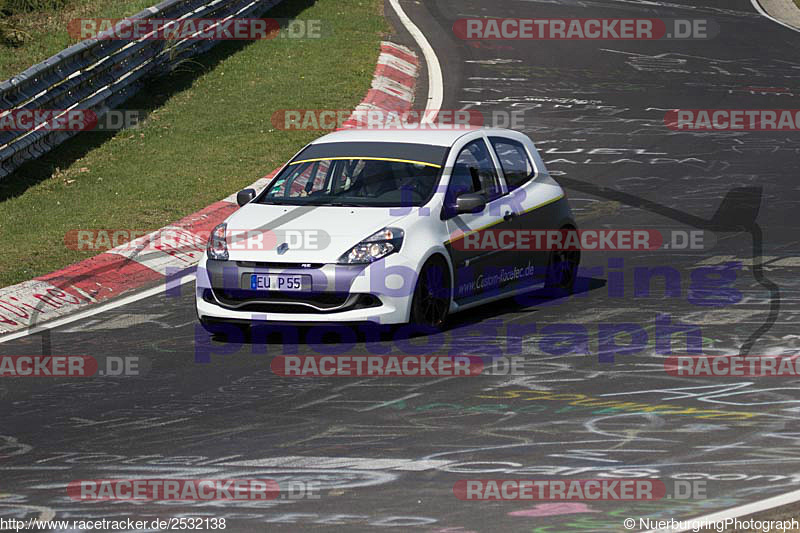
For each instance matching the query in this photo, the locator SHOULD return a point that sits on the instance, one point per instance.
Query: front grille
(319, 299)
(257, 264)
(299, 302)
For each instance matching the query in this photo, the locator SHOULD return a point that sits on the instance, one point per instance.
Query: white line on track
(736, 512)
(435, 81)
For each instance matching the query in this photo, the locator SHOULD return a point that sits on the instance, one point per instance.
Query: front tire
(430, 304)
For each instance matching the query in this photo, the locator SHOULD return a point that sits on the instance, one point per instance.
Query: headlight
(376, 246)
(217, 245)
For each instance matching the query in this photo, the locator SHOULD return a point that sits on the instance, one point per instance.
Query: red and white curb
(152, 259)
(393, 84)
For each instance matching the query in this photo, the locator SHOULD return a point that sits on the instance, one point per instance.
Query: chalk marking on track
(95, 310)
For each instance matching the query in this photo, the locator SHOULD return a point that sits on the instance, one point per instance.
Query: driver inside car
(375, 179)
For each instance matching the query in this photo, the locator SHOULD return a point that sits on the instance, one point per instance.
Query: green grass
(22, 6)
(209, 134)
(28, 37)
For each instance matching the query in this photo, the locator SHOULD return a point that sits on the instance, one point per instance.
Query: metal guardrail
(99, 74)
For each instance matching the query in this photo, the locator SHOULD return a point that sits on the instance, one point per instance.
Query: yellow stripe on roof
(367, 158)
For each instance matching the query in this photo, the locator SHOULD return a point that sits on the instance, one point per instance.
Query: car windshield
(353, 182)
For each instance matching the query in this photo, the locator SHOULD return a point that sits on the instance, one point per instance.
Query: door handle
(508, 216)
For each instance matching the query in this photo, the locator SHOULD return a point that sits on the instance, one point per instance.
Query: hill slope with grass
(208, 133)
(33, 30)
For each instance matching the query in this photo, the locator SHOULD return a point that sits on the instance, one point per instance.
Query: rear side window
(514, 161)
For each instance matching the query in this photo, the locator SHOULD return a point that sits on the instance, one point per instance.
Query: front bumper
(378, 293)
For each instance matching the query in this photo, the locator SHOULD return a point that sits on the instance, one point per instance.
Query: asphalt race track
(386, 453)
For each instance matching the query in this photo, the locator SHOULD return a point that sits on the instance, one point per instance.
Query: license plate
(278, 282)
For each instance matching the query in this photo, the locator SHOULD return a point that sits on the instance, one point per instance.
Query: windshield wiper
(296, 203)
(333, 204)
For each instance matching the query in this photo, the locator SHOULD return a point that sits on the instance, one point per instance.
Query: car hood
(313, 234)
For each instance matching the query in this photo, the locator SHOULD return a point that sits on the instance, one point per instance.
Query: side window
(299, 181)
(302, 180)
(514, 161)
(473, 172)
(313, 181)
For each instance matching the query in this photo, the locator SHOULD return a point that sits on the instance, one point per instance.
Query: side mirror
(245, 196)
(470, 202)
